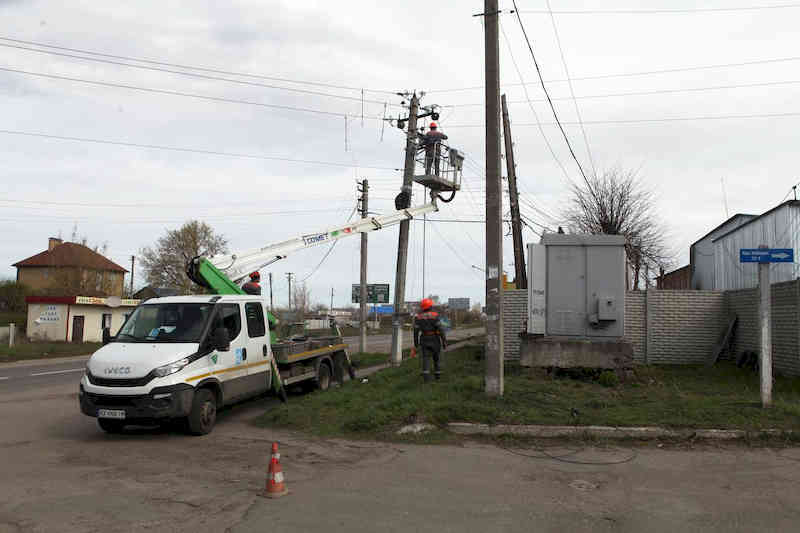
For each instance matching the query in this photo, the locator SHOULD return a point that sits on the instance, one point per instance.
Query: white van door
(231, 366)
(258, 349)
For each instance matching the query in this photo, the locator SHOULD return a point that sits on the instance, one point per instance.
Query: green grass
(44, 350)
(677, 396)
(367, 359)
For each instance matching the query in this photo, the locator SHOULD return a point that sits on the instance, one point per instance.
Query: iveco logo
(117, 370)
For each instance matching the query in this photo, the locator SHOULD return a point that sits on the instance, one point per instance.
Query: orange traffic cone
(276, 487)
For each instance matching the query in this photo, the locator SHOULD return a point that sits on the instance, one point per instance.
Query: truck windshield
(173, 322)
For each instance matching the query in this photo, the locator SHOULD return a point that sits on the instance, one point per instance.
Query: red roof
(70, 254)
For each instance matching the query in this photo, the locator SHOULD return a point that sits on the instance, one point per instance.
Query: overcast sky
(129, 196)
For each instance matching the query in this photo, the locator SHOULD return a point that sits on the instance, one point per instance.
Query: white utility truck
(183, 357)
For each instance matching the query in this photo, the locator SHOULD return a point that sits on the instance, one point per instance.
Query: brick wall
(785, 324)
(673, 326)
(683, 326)
(515, 314)
(635, 327)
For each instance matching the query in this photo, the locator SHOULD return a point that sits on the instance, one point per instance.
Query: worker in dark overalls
(432, 142)
(429, 336)
(253, 286)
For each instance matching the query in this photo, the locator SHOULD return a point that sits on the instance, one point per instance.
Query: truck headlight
(171, 368)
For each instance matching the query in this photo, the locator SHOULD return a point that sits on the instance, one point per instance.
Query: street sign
(377, 293)
(766, 255)
(384, 309)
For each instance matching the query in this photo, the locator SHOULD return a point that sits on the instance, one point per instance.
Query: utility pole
(520, 276)
(494, 206)
(424, 250)
(362, 343)
(402, 245)
(133, 260)
(331, 308)
(271, 307)
(765, 317)
(289, 277)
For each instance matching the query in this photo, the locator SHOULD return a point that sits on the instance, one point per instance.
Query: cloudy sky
(688, 94)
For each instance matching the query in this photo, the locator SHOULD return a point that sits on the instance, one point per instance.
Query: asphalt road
(61, 473)
(18, 377)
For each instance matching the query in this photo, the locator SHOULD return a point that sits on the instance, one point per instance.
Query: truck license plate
(111, 413)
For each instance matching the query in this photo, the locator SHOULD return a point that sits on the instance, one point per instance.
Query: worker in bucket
(430, 338)
(253, 286)
(432, 142)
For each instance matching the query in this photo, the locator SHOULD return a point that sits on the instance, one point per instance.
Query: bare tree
(618, 203)
(164, 265)
(302, 299)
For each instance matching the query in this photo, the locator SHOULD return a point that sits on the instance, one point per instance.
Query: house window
(106, 321)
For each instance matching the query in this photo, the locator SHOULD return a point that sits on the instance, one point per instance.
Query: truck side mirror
(106, 336)
(221, 340)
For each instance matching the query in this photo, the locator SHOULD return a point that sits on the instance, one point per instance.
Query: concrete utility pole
(289, 277)
(520, 275)
(765, 327)
(271, 307)
(402, 245)
(362, 342)
(331, 308)
(494, 206)
(133, 260)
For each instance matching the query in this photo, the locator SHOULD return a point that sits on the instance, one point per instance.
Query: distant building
(701, 253)
(71, 269)
(458, 304)
(145, 293)
(777, 228)
(75, 318)
(679, 279)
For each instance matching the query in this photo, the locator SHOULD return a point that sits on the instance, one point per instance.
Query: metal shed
(777, 228)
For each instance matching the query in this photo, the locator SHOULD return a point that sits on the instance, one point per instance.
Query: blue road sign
(384, 309)
(766, 255)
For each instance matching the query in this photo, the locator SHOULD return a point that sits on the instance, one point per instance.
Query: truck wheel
(323, 381)
(204, 413)
(110, 426)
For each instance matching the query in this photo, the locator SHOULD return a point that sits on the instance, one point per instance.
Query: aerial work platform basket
(439, 168)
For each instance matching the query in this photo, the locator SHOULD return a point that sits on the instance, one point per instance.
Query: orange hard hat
(432, 125)
(255, 275)
(426, 304)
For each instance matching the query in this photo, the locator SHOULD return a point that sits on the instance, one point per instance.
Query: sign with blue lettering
(766, 255)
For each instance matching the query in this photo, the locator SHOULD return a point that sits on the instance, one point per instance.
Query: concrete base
(575, 353)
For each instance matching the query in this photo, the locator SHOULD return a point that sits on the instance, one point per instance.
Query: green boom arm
(201, 271)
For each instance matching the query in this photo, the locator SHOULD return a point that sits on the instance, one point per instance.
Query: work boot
(438, 376)
(426, 377)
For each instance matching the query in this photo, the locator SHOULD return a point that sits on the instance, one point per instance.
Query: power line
(571, 90)
(328, 252)
(639, 73)
(189, 150)
(644, 93)
(649, 120)
(532, 108)
(547, 94)
(195, 75)
(661, 11)
(190, 67)
(178, 93)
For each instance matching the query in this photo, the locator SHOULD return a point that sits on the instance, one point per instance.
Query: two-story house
(71, 269)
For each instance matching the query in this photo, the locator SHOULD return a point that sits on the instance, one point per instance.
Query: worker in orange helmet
(432, 142)
(253, 286)
(430, 337)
